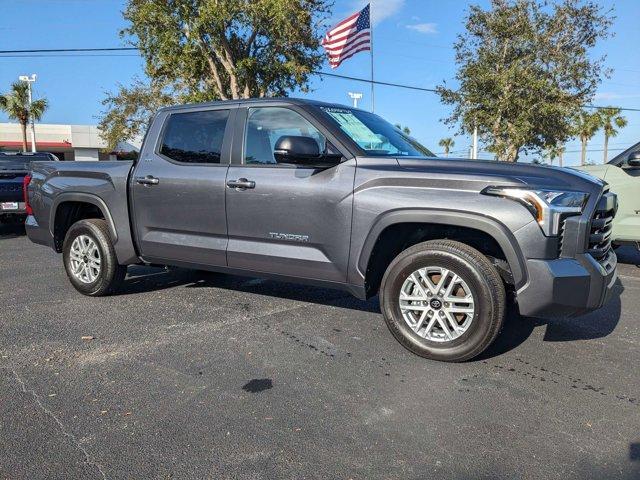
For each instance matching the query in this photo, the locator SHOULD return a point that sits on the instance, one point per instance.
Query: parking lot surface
(201, 375)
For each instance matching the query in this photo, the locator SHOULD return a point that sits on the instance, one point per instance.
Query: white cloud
(426, 28)
(380, 9)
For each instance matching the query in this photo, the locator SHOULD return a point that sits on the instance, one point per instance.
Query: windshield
(375, 135)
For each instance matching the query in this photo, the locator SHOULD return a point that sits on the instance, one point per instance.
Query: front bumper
(567, 287)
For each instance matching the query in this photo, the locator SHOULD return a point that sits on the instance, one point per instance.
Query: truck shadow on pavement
(517, 329)
(11, 230)
(147, 279)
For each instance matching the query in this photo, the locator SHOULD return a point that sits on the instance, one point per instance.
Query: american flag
(350, 36)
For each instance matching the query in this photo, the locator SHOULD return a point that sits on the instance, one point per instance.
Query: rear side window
(195, 137)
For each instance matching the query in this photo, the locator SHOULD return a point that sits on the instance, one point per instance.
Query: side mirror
(302, 151)
(633, 160)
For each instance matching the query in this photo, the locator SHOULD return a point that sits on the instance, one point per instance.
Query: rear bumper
(36, 233)
(19, 211)
(567, 287)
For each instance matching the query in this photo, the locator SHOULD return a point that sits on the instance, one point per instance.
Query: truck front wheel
(443, 300)
(90, 260)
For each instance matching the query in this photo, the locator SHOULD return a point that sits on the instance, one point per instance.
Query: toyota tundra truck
(320, 193)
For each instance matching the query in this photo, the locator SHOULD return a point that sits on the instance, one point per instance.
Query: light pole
(355, 96)
(30, 80)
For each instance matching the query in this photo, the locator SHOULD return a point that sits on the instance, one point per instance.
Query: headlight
(549, 207)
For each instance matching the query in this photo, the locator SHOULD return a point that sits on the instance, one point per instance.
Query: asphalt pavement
(192, 375)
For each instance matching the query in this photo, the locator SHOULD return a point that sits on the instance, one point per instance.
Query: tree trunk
(512, 153)
(583, 154)
(606, 147)
(23, 127)
(560, 158)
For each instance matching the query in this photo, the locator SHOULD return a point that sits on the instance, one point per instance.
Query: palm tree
(611, 119)
(16, 105)
(560, 151)
(586, 126)
(556, 151)
(447, 144)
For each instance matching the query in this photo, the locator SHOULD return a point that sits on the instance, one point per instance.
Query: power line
(58, 50)
(326, 74)
(62, 55)
(375, 82)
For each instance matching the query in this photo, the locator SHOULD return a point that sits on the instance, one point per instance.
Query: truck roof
(250, 101)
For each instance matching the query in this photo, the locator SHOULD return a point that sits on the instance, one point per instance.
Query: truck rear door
(178, 187)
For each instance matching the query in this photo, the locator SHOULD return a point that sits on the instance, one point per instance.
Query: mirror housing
(633, 160)
(299, 150)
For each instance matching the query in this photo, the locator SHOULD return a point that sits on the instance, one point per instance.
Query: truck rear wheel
(443, 300)
(90, 260)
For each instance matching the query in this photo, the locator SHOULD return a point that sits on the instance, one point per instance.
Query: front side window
(266, 125)
(374, 135)
(195, 137)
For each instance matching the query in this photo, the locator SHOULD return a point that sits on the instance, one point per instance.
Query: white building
(68, 142)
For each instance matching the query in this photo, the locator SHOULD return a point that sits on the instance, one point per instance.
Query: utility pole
(30, 80)
(355, 96)
(475, 142)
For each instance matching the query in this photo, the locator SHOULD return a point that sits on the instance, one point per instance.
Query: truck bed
(103, 184)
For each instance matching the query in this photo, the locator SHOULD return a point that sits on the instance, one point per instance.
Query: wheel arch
(61, 219)
(442, 221)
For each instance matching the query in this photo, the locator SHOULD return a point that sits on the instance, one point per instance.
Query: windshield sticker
(354, 127)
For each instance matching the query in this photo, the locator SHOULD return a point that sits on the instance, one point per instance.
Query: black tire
(111, 273)
(480, 275)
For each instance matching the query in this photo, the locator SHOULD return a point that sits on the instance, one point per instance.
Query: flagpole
(371, 52)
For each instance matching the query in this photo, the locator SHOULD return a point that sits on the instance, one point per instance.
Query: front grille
(601, 227)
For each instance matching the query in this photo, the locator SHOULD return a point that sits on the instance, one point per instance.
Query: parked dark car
(330, 195)
(14, 168)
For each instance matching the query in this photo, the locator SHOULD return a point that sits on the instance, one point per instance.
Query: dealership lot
(199, 375)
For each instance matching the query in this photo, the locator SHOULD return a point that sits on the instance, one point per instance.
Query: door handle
(241, 184)
(148, 180)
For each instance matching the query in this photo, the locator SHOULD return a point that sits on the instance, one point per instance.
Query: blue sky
(412, 45)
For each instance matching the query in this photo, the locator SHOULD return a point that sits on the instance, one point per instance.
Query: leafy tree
(586, 125)
(16, 105)
(611, 120)
(447, 144)
(129, 111)
(200, 50)
(524, 71)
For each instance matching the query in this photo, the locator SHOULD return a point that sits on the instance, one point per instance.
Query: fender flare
(84, 198)
(498, 231)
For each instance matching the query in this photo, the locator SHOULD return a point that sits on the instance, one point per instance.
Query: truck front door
(286, 219)
(178, 188)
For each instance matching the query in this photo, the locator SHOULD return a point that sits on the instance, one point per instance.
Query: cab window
(265, 126)
(195, 137)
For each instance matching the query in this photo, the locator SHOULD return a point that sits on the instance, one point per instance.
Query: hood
(489, 172)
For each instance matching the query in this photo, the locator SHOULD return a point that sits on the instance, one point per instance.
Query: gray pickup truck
(334, 196)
